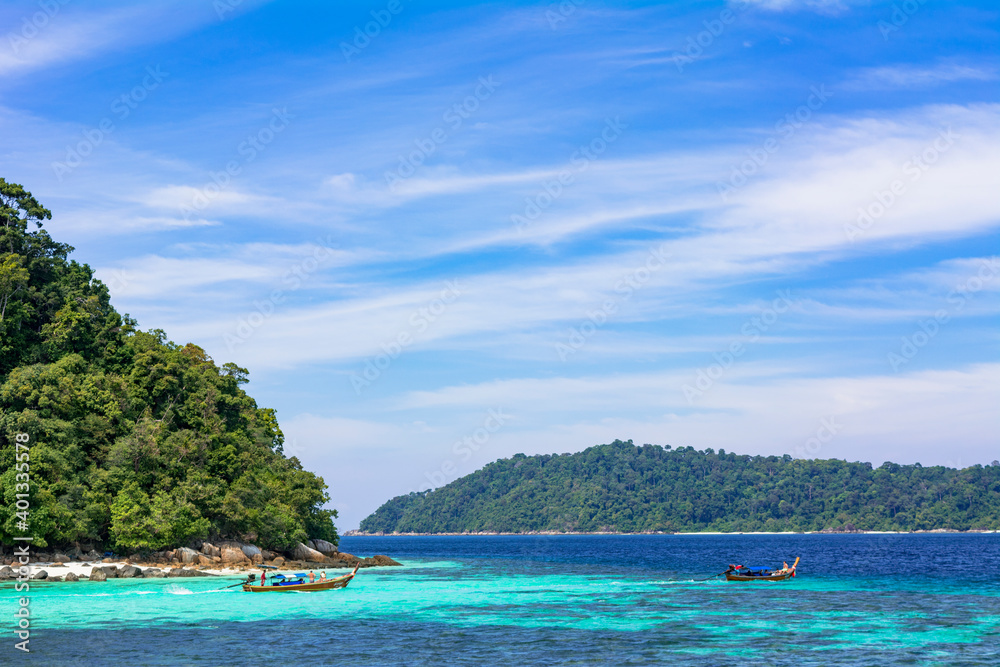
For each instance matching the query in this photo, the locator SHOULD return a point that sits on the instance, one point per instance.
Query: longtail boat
(744, 573)
(282, 584)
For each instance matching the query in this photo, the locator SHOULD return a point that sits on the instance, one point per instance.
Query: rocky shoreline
(202, 559)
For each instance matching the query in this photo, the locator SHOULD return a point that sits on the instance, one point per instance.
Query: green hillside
(624, 488)
(136, 443)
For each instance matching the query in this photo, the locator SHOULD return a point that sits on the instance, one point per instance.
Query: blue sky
(769, 227)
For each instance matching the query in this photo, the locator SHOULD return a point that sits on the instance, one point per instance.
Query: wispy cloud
(792, 220)
(54, 33)
(916, 77)
(247, 270)
(821, 6)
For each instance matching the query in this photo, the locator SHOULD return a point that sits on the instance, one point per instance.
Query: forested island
(136, 443)
(621, 487)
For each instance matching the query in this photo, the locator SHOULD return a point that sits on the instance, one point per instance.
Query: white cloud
(795, 214)
(153, 276)
(52, 33)
(809, 199)
(821, 6)
(154, 223)
(907, 415)
(912, 76)
(449, 183)
(251, 269)
(801, 200)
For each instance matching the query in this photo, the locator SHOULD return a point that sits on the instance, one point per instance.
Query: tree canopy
(136, 442)
(621, 487)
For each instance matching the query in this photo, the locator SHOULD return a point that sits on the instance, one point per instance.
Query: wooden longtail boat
(782, 574)
(339, 582)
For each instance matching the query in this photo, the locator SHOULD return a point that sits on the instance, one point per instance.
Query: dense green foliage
(624, 488)
(136, 443)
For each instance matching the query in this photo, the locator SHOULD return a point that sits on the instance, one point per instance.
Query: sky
(442, 233)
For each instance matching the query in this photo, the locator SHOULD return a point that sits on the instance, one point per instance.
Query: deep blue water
(559, 600)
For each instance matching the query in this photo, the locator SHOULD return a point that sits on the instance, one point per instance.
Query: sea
(858, 599)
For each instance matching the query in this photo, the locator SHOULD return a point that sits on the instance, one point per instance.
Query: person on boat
(312, 577)
(263, 575)
(322, 575)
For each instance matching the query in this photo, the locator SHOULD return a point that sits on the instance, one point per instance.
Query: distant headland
(621, 488)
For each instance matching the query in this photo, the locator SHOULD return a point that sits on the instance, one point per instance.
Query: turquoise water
(859, 599)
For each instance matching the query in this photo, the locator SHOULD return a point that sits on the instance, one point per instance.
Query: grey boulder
(129, 572)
